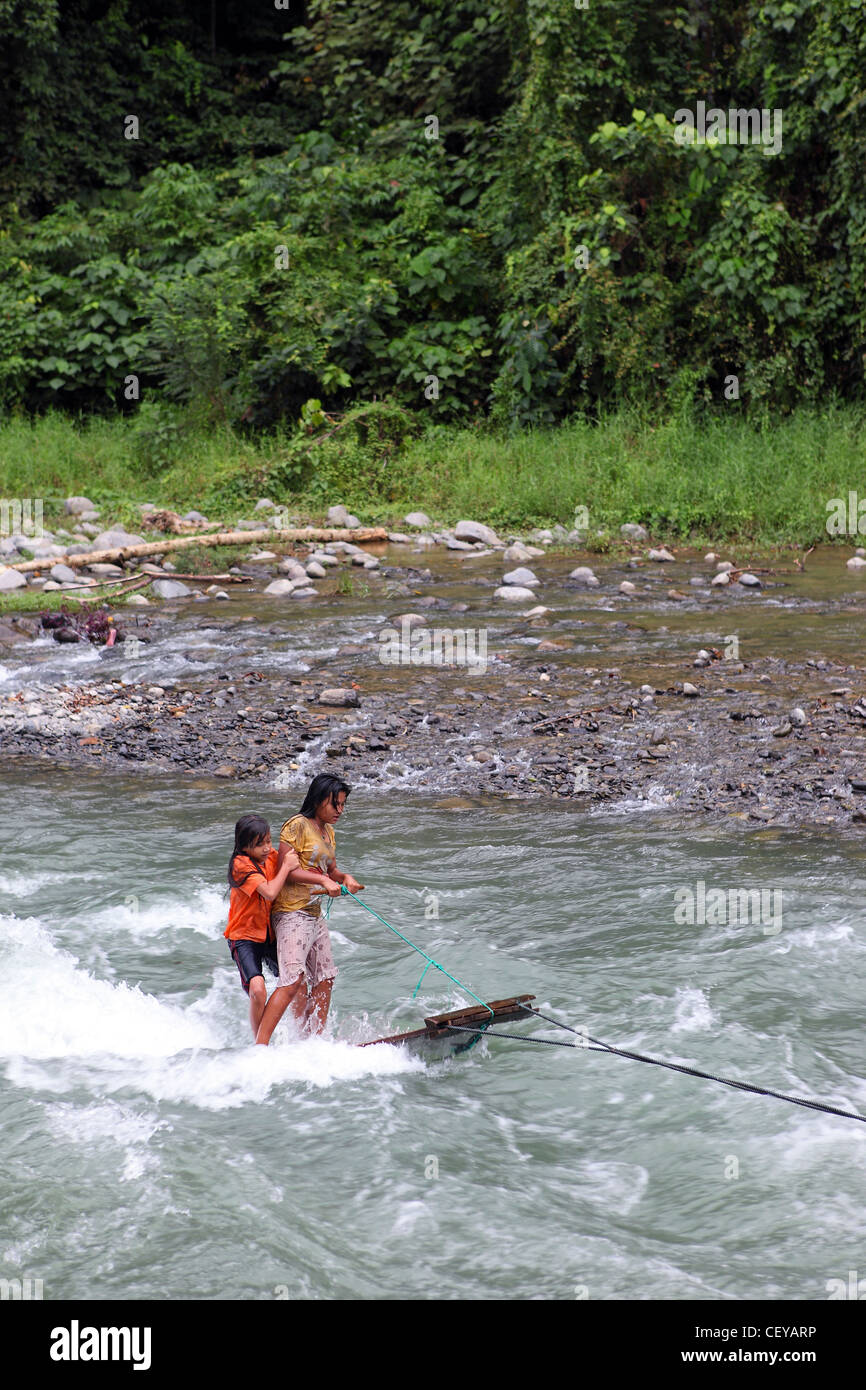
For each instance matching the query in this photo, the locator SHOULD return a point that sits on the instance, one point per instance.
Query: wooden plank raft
(440, 1038)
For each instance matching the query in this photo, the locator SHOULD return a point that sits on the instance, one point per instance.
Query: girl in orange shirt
(254, 880)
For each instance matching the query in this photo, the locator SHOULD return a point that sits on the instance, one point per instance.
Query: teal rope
(467, 1047)
(429, 959)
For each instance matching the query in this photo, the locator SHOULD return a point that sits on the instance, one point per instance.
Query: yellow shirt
(316, 852)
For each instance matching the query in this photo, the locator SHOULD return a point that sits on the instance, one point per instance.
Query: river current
(151, 1152)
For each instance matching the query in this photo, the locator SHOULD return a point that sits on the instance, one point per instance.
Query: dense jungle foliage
(468, 209)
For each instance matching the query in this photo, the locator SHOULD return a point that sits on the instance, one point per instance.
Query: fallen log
(130, 552)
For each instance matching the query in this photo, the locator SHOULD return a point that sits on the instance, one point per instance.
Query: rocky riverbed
(653, 686)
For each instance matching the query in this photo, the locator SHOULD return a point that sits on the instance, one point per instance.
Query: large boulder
(11, 579)
(74, 506)
(476, 531)
(419, 519)
(63, 574)
(340, 696)
(170, 588)
(115, 539)
(514, 593)
(521, 576)
(584, 575)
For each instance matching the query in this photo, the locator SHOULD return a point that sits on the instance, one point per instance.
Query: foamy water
(152, 1151)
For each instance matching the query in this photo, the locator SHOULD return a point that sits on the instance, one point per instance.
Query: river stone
(339, 695)
(797, 716)
(194, 654)
(521, 576)
(315, 570)
(398, 538)
(11, 579)
(338, 515)
(303, 593)
(633, 531)
(749, 581)
(49, 585)
(260, 556)
(409, 620)
(538, 612)
(514, 593)
(518, 551)
(723, 566)
(264, 504)
(107, 571)
(721, 579)
(626, 587)
(115, 539)
(711, 557)
(584, 575)
(689, 689)
(138, 600)
(477, 531)
(856, 562)
(321, 557)
(293, 568)
(281, 588)
(170, 588)
(419, 519)
(371, 563)
(452, 543)
(63, 574)
(661, 555)
(74, 506)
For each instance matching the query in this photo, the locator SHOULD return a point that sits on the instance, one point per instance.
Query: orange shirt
(249, 912)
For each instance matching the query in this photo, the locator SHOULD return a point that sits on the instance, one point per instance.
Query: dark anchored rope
(591, 1044)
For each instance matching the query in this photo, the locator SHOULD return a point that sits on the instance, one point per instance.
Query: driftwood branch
(139, 582)
(129, 552)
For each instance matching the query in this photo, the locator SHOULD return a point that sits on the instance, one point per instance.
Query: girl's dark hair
(323, 788)
(249, 831)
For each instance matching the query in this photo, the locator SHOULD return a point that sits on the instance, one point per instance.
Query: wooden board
(439, 1038)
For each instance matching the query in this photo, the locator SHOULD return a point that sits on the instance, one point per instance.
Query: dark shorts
(249, 956)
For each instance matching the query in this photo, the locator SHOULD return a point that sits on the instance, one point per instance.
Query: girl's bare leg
(258, 999)
(318, 1004)
(283, 996)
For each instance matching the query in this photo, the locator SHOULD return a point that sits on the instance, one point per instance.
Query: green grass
(34, 601)
(715, 479)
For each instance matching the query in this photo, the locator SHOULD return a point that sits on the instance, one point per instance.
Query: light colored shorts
(303, 948)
